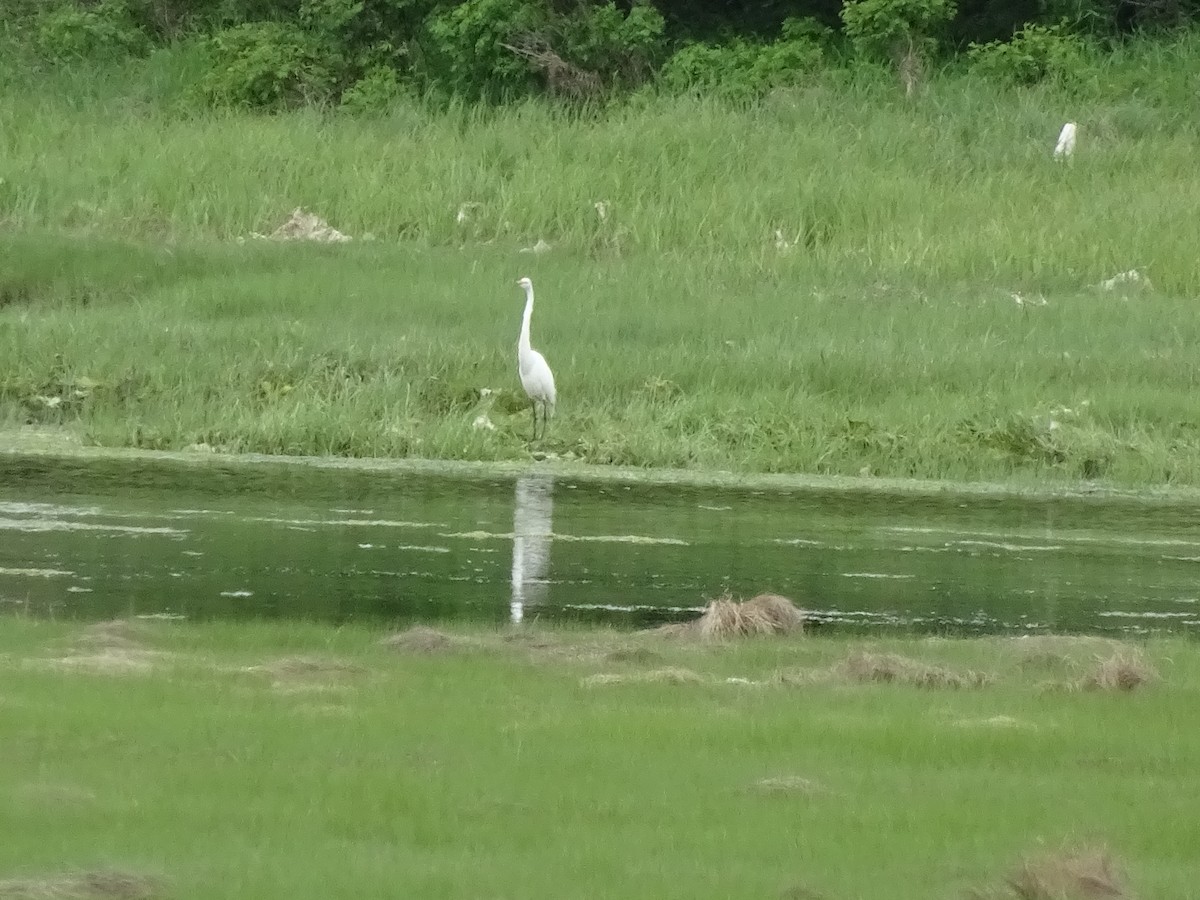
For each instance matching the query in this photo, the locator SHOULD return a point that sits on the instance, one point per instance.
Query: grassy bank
(294, 761)
(934, 313)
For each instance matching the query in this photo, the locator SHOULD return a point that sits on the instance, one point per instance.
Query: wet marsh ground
(832, 282)
(149, 758)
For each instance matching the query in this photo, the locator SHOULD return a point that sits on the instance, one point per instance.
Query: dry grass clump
(891, 668)
(667, 675)
(114, 634)
(1058, 652)
(725, 617)
(56, 794)
(102, 884)
(634, 655)
(1079, 874)
(108, 662)
(788, 784)
(1001, 721)
(1124, 670)
(307, 667)
(421, 639)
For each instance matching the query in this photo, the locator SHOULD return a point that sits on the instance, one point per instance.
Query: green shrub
(742, 70)
(621, 47)
(499, 48)
(1035, 53)
(378, 89)
(269, 64)
(106, 29)
(469, 56)
(884, 29)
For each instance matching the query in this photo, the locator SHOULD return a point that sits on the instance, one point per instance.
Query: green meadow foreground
(149, 759)
(832, 282)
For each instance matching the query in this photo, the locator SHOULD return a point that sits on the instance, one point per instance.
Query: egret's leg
(533, 409)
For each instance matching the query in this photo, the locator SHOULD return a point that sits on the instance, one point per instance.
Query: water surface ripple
(103, 539)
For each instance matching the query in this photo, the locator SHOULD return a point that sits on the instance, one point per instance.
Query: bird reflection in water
(532, 529)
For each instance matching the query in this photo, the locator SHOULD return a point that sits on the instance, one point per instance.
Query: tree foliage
(364, 53)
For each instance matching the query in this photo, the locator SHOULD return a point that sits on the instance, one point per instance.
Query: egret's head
(525, 284)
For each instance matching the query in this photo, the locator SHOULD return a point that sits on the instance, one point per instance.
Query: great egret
(1066, 141)
(536, 377)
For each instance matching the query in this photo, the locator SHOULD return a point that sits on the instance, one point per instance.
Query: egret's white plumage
(536, 377)
(1066, 141)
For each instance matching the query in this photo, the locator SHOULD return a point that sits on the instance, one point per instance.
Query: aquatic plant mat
(150, 758)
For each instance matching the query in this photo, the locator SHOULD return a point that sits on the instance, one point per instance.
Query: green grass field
(835, 281)
(295, 761)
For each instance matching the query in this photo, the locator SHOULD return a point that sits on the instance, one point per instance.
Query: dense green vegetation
(367, 53)
(294, 761)
(829, 277)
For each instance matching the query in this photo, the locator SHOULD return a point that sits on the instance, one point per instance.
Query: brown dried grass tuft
(112, 661)
(53, 794)
(788, 784)
(634, 655)
(891, 668)
(725, 618)
(1080, 874)
(1124, 670)
(114, 634)
(1001, 721)
(307, 667)
(421, 639)
(667, 675)
(1058, 652)
(800, 892)
(101, 884)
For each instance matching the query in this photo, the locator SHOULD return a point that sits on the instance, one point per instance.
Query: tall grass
(833, 280)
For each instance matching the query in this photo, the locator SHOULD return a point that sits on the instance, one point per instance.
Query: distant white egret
(1066, 141)
(536, 377)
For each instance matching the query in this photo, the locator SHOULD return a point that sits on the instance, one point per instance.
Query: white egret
(536, 377)
(1066, 141)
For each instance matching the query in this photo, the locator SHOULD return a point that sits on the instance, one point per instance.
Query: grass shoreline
(205, 760)
(24, 446)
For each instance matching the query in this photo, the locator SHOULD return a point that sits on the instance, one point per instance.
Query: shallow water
(106, 538)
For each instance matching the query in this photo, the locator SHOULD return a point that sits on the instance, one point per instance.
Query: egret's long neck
(523, 340)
